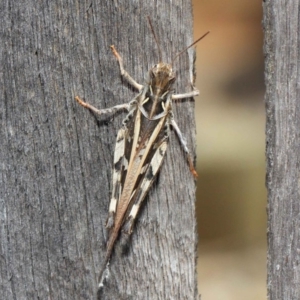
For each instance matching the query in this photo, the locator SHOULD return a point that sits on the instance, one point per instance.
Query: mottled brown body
(153, 106)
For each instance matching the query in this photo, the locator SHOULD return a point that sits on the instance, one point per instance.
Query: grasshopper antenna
(177, 55)
(156, 39)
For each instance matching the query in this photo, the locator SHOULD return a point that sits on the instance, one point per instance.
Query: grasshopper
(141, 145)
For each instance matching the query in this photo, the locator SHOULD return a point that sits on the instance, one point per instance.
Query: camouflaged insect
(140, 146)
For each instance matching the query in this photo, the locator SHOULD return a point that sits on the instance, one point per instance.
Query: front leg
(97, 111)
(191, 94)
(123, 72)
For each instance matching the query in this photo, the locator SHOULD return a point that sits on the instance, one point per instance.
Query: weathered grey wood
(281, 27)
(56, 157)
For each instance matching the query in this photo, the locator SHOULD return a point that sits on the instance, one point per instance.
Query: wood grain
(56, 157)
(281, 45)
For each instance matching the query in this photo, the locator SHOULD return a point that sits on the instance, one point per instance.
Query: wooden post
(56, 157)
(281, 28)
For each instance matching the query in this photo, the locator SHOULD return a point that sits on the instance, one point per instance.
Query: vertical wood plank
(281, 45)
(56, 157)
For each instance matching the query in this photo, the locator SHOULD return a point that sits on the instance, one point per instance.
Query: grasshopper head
(162, 77)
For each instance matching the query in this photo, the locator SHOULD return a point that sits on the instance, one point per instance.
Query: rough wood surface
(56, 157)
(281, 28)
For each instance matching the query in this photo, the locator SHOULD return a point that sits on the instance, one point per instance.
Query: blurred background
(231, 194)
